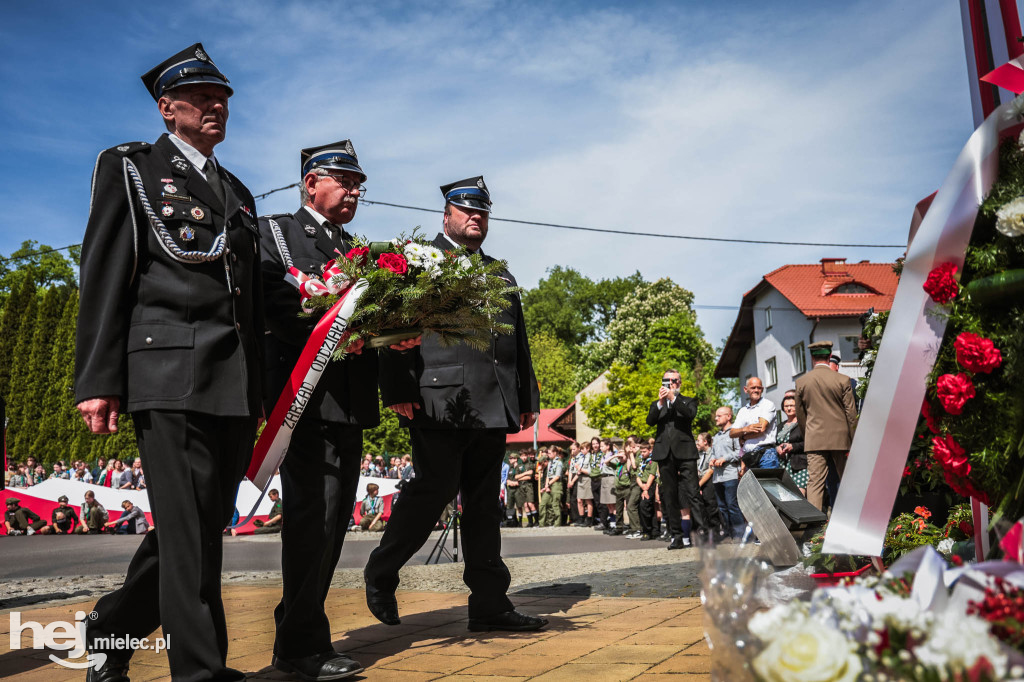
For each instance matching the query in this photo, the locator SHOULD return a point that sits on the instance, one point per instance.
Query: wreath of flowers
(414, 287)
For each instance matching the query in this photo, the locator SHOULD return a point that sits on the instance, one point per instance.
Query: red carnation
(395, 262)
(952, 457)
(954, 390)
(941, 285)
(926, 412)
(358, 255)
(976, 353)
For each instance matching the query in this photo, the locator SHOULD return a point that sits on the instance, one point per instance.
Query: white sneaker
(30, 530)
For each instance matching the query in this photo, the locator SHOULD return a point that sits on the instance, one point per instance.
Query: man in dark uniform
(459, 404)
(170, 329)
(320, 473)
(676, 455)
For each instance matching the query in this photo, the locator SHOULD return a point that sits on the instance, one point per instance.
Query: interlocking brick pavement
(591, 638)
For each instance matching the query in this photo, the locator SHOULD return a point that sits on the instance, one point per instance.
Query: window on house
(852, 288)
(771, 374)
(768, 318)
(799, 359)
(848, 349)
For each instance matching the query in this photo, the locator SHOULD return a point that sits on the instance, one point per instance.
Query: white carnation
(1010, 218)
(958, 642)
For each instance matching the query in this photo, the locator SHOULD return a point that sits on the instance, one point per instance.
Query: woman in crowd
(581, 479)
(790, 445)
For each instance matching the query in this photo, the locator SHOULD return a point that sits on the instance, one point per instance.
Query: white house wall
(790, 327)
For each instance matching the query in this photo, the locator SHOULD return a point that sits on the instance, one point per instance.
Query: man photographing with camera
(676, 455)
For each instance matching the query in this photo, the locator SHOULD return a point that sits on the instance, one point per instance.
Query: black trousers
(600, 509)
(680, 490)
(447, 462)
(648, 516)
(319, 478)
(193, 465)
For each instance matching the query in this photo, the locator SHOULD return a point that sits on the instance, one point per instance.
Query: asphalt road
(52, 556)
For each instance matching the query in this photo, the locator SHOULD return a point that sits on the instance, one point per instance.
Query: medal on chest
(186, 233)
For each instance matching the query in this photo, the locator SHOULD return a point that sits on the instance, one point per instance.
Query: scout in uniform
(459, 404)
(551, 494)
(511, 488)
(526, 498)
(170, 330)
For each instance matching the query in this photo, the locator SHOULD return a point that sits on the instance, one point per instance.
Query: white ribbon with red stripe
(908, 350)
(273, 443)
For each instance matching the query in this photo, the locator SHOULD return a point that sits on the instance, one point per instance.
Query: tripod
(452, 528)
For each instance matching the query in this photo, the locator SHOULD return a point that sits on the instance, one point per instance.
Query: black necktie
(213, 179)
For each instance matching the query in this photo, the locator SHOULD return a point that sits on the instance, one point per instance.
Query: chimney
(834, 267)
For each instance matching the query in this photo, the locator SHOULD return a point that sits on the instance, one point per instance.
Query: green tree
(39, 264)
(16, 394)
(388, 438)
(623, 409)
(552, 364)
(15, 313)
(574, 308)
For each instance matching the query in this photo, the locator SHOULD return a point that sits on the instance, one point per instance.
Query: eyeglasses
(673, 381)
(347, 183)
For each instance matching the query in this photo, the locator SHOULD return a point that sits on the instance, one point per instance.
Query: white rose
(957, 643)
(1010, 218)
(811, 653)
(766, 625)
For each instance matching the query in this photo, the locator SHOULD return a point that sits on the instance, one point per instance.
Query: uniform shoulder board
(130, 148)
(275, 216)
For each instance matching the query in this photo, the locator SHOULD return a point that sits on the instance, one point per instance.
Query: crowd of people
(64, 520)
(112, 473)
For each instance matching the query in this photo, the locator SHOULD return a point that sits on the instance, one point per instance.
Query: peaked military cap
(13, 500)
(191, 65)
(333, 156)
(469, 193)
(822, 348)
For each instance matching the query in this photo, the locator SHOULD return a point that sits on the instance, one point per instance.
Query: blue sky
(796, 121)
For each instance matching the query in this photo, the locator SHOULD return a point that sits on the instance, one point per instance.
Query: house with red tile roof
(796, 305)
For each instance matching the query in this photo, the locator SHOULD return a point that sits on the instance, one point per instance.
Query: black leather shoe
(326, 666)
(509, 620)
(110, 671)
(644, 537)
(677, 543)
(384, 611)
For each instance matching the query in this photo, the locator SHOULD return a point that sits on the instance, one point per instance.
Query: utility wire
(555, 225)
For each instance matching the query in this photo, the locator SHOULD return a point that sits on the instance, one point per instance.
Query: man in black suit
(169, 330)
(676, 455)
(459, 404)
(320, 473)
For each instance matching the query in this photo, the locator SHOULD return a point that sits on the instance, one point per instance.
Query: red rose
(956, 560)
(941, 285)
(358, 255)
(954, 390)
(976, 353)
(967, 528)
(952, 457)
(395, 262)
(926, 412)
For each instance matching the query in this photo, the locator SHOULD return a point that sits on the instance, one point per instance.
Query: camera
(666, 383)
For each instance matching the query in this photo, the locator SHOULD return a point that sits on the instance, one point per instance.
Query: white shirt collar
(195, 157)
(320, 220)
(453, 243)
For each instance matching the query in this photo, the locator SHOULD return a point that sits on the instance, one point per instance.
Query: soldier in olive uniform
(459, 404)
(169, 329)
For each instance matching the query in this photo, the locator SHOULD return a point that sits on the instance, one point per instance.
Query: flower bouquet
(412, 287)
(919, 621)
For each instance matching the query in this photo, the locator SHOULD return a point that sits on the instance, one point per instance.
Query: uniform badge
(247, 210)
(201, 56)
(123, 148)
(170, 189)
(167, 210)
(180, 164)
(197, 213)
(349, 148)
(310, 230)
(186, 233)
(166, 179)
(480, 183)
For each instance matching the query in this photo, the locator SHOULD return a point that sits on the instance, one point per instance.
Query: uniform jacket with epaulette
(462, 388)
(347, 390)
(157, 332)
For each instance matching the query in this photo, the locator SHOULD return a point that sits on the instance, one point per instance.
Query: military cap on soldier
(13, 500)
(820, 348)
(338, 156)
(62, 498)
(469, 193)
(191, 65)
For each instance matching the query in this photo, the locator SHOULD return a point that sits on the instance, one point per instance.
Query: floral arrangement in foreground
(906, 625)
(413, 287)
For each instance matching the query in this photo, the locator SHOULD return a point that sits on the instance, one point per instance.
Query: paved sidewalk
(589, 638)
